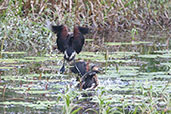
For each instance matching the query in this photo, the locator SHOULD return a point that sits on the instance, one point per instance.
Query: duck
(87, 75)
(70, 44)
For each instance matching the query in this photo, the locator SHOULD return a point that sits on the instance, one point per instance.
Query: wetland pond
(136, 80)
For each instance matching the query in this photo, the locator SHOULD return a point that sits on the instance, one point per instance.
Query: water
(135, 76)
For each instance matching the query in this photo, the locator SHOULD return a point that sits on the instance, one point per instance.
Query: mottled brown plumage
(87, 75)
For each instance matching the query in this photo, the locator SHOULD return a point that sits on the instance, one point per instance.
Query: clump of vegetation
(69, 107)
(23, 21)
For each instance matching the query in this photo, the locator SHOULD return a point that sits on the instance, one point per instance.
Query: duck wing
(78, 38)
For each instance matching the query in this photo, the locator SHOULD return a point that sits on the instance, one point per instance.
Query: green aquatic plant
(14, 53)
(111, 98)
(153, 103)
(104, 104)
(133, 33)
(127, 43)
(69, 107)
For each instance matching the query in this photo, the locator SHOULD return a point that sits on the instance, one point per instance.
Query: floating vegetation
(6, 68)
(13, 53)
(127, 43)
(166, 56)
(126, 82)
(8, 61)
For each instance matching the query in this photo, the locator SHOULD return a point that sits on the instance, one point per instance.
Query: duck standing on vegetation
(87, 75)
(68, 44)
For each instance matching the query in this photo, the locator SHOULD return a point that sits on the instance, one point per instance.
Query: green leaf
(91, 109)
(76, 110)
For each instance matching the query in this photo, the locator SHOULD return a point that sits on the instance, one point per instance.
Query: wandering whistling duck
(68, 44)
(88, 75)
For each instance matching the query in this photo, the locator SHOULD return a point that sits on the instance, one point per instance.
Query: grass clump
(22, 22)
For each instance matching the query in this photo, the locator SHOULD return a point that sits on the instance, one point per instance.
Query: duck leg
(62, 70)
(77, 68)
